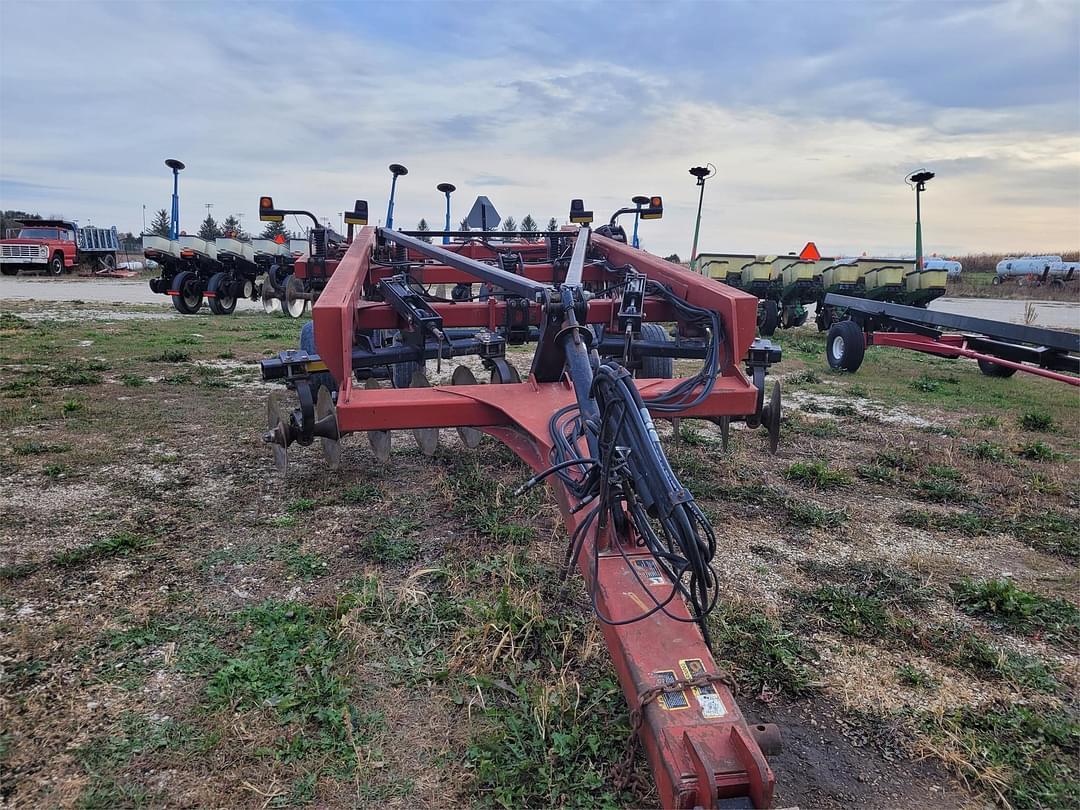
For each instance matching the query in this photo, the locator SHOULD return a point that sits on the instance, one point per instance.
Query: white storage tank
(1026, 265)
(951, 267)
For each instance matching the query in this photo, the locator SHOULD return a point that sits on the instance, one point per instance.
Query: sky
(812, 113)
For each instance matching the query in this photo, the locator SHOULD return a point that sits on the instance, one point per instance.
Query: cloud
(812, 112)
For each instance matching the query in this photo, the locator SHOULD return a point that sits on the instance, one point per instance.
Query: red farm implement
(602, 369)
(1001, 349)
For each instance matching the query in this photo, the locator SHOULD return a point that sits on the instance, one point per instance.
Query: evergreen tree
(11, 220)
(161, 225)
(209, 230)
(553, 224)
(274, 230)
(674, 257)
(231, 228)
(423, 226)
(509, 225)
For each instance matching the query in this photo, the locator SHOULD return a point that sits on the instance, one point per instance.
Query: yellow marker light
(359, 214)
(655, 209)
(267, 212)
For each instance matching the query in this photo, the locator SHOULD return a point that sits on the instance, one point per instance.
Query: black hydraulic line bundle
(631, 486)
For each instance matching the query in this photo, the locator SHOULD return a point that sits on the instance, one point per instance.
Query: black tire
(662, 368)
(307, 344)
(8, 270)
(186, 284)
(994, 370)
(769, 318)
(845, 346)
(401, 374)
(222, 302)
(56, 265)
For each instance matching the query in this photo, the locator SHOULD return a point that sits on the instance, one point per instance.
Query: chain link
(623, 771)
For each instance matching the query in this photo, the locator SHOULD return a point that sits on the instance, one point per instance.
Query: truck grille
(20, 251)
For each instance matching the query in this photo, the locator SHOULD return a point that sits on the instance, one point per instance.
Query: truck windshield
(38, 233)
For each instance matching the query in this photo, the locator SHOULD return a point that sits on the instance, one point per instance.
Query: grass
(1037, 451)
(73, 373)
(1024, 755)
(121, 544)
(1002, 603)
(808, 515)
(910, 675)
(817, 474)
(33, 448)
(171, 356)
(876, 473)
(762, 655)
(1036, 421)
(987, 451)
(943, 490)
(391, 541)
(969, 523)
(541, 746)
(285, 666)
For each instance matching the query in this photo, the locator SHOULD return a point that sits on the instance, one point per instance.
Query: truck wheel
(994, 370)
(56, 266)
(222, 302)
(8, 270)
(109, 262)
(769, 318)
(307, 344)
(662, 368)
(845, 346)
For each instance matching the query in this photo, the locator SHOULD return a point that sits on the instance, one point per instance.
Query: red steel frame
(698, 756)
(956, 346)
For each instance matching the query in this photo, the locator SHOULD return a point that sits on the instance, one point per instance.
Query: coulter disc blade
(326, 419)
(294, 304)
(378, 439)
(470, 437)
(427, 439)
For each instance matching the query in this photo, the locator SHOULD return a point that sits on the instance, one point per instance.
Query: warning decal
(670, 701)
(707, 697)
(649, 570)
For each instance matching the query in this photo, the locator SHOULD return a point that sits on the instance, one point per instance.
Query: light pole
(174, 227)
(447, 189)
(638, 201)
(702, 173)
(397, 170)
(917, 180)
(144, 218)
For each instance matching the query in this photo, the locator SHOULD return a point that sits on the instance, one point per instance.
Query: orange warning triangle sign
(810, 252)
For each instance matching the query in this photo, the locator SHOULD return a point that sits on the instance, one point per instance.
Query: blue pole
(390, 207)
(174, 230)
(636, 215)
(446, 239)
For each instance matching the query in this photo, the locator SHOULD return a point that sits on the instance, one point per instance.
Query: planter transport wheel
(845, 346)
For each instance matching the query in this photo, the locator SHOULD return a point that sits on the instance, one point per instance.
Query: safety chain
(623, 771)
